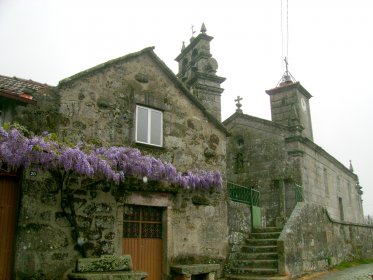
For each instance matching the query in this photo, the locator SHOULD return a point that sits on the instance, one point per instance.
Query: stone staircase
(257, 259)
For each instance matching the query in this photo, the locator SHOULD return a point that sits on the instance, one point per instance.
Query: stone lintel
(117, 275)
(104, 263)
(195, 269)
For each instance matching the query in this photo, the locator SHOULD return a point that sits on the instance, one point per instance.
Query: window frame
(149, 128)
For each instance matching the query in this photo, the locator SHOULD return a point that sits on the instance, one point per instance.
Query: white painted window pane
(156, 128)
(142, 125)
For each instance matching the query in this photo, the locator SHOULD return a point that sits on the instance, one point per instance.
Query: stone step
(245, 277)
(258, 249)
(258, 258)
(255, 263)
(265, 235)
(267, 230)
(261, 242)
(253, 271)
(255, 256)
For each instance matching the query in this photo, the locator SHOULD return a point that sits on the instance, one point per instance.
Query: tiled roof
(19, 89)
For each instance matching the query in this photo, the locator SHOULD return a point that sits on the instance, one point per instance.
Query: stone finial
(238, 104)
(183, 46)
(203, 28)
(351, 167)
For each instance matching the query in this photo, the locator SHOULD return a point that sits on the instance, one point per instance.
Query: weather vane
(286, 65)
(192, 27)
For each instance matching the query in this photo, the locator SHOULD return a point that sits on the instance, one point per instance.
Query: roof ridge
(24, 80)
(103, 65)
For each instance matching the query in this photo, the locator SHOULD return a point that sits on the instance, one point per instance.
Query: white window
(149, 126)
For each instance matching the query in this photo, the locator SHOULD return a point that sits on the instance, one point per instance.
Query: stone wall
(195, 224)
(258, 158)
(312, 241)
(327, 182)
(100, 107)
(47, 243)
(240, 226)
(270, 156)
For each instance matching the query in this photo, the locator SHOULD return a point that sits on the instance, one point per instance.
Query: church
(285, 207)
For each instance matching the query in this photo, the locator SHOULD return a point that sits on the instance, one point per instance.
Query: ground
(361, 272)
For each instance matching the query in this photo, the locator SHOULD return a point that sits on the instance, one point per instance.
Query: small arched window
(240, 143)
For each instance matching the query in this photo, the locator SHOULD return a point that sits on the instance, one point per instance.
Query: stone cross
(238, 104)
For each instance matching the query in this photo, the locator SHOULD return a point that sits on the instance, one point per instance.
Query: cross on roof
(239, 98)
(238, 104)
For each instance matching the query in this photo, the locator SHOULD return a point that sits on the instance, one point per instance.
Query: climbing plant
(108, 163)
(92, 165)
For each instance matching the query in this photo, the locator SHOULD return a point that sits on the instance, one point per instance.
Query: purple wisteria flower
(110, 163)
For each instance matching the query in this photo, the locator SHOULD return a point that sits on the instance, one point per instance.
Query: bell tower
(290, 106)
(197, 70)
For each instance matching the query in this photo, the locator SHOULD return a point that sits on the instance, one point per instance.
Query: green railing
(298, 190)
(244, 194)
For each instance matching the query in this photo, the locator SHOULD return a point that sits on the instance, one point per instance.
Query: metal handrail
(244, 194)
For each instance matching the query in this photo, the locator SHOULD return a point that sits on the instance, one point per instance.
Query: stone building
(184, 233)
(310, 197)
(280, 159)
(134, 101)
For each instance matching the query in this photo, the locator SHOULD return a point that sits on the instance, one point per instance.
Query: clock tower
(290, 106)
(197, 70)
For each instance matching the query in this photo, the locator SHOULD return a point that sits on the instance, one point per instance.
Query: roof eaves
(16, 97)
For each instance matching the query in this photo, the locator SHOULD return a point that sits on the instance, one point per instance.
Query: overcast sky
(330, 52)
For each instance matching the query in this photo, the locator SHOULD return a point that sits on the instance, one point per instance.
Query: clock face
(303, 103)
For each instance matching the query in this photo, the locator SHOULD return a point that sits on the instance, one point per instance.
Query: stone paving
(360, 272)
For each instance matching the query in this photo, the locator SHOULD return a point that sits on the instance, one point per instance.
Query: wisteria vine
(110, 163)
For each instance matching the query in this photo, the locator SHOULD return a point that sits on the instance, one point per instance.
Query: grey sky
(330, 53)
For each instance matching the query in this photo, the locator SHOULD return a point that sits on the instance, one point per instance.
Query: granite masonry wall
(258, 158)
(312, 241)
(328, 183)
(100, 107)
(194, 224)
(273, 159)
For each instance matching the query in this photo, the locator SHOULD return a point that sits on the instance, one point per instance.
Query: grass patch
(344, 265)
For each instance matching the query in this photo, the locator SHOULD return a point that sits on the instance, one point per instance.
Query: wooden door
(142, 239)
(9, 192)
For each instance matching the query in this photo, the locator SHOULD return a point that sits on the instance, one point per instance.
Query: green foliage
(8, 126)
(345, 265)
(330, 261)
